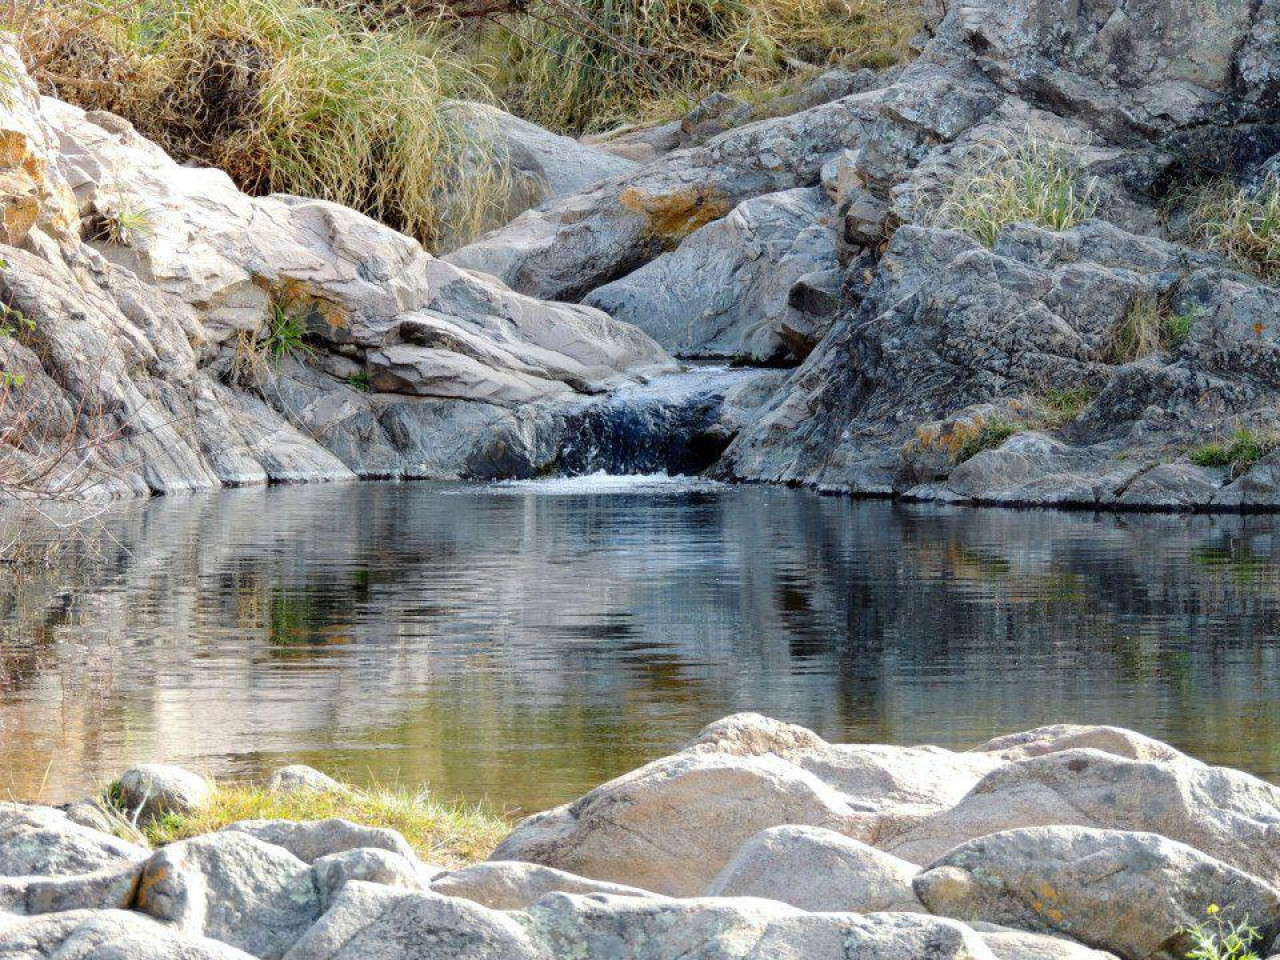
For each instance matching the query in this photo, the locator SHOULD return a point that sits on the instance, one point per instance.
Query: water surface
(520, 643)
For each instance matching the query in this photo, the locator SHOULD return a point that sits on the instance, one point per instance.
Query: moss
(449, 834)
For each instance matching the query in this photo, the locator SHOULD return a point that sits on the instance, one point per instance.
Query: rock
(105, 935)
(1132, 894)
(233, 888)
(42, 841)
(513, 885)
(105, 890)
(312, 839)
(374, 922)
(818, 870)
(725, 291)
(753, 735)
(155, 789)
(1226, 814)
(1070, 736)
(672, 825)
(568, 248)
(371, 865)
(716, 114)
(298, 777)
(1009, 944)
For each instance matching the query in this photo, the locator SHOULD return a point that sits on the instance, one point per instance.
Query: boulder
(753, 735)
(309, 840)
(725, 291)
(672, 825)
(514, 885)
(105, 935)
(155, 789)
(818, 870)
(1132, 894)
(1008, 944)
(1224, 813)
(370, 865)
(233, 888)
(42, 841)
(111, 889)
(1071, 736)
(298, 777)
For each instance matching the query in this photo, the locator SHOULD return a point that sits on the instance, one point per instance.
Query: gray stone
(232, 888)
(42, 841)
(818, 870)
(155, 789)
(1009, 944)
(514, 885)
(1070, 736)
(1133, 894)
(371, 865)
(298, 777)
(312, 839)
(105, 935)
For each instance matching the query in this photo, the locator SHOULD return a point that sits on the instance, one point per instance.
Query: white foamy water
(595, 484)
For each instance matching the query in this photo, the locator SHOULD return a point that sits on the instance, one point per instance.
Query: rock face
(758, 840)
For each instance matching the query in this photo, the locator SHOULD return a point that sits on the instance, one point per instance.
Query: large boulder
(105, 935)
(233, 888)
(818, 870)
(514, 885)
(725, 291)
(1133, 894)
(370, 865)
(42, 841)
(309, 840)
(1224, 813)
(155, 789)
(110, 889)
(299, 778)
(672, 825)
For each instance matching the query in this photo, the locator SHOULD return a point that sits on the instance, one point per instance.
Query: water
(521, 642)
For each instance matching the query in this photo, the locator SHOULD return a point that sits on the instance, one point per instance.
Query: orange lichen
(673, 216)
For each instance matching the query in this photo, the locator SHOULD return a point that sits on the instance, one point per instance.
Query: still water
(520, 643)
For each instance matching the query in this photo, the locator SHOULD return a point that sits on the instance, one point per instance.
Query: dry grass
(1242, 224)
(285, 95)
(1149, 326)
(448, 834)
(1033, 181)
(591, 64)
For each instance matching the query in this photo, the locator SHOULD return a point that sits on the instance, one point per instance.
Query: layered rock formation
(757, 840)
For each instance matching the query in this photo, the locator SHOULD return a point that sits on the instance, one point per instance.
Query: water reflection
(522, 643)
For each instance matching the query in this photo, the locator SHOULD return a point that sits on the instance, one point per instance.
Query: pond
(520, 643)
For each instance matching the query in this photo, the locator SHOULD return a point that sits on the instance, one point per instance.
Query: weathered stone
(753, 735)
(155, 789)
(42, 841)
(1133, 894)
(514, 885)
(371, 865)
(1069, 736)
(105, 935)
(1009, 944)
(232, 888)
(818, 870)
(312, 839)
(298, 777)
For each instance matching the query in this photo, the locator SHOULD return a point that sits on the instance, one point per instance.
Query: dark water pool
(521, 643)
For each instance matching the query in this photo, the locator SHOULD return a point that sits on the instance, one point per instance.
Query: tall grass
(614, 61)
(1240, 223)
(1032, 181)
(285, 95)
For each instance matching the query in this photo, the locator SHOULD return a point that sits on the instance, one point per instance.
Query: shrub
(591, 64)
(1242, 224)
(285, 95)
(1216, 938)
(1148, 326)
(1240, 452)
(1031, 182)
(449, 834)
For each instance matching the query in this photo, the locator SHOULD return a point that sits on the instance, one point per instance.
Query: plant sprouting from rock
(1241, 223)
(985, 436)
(1149, 326)
(1239, 452)
(1217, 938)
(1033, 181)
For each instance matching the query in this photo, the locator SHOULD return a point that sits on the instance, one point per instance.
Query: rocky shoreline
(170, 333)
(758, 839)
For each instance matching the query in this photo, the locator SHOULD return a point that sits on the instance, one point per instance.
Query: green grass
(1063, 406)
(987, 436)
(1217, 938)
(1240, 451)
(1242, 225)
(285, 334)
(448, 834)
(1032, 182)
(359, 381)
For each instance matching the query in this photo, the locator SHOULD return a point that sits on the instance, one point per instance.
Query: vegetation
(1063, 406)
(449, 834)
(1030, 182)
(1148, 326)
(1240, 223)
(1240, 452)
(285, 334)
(1216, 938)
(359, 381)
(986, 436)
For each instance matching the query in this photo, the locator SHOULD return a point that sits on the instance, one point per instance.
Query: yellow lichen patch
(148, 880)
(673, 216)
(300, 298)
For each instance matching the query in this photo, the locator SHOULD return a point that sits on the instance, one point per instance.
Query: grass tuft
(1063, 406)
(447, 834)
(987, 436)
(1243, 225)
(1241, 451)
(1149, 326)
(1031, 182)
